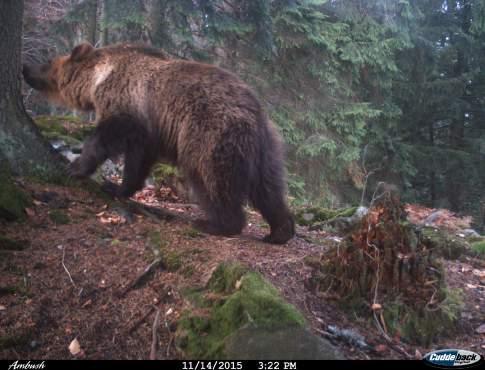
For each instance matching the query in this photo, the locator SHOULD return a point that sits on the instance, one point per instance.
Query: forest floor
(74, 280)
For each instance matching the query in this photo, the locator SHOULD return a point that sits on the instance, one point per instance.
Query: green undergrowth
(67, 128)
(13, 200)
(313, 215)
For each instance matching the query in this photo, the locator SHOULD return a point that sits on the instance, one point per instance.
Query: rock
(361, 212)
(109, 169)
(468, 233)
(433, 217)
(480, 329)
(245, 317)
(68, 153)
(291, 344)
(59, 145)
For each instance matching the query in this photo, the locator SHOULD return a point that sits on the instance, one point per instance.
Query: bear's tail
(268, 188)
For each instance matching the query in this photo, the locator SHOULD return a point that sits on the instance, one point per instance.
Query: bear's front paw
(76, 170)
(111, 189)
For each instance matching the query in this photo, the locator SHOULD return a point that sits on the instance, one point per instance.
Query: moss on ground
(22, 290)
(424, 326)
(171, 260)
(312, 215)
(242, 298)
(7, 244)
(191, 232)
(163, 173)
(59, 217)
(55, 128)
(479, 248)
(17, 339)
(444, 243)
(13, 201)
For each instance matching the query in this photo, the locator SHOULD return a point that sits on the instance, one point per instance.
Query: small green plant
(479, 248)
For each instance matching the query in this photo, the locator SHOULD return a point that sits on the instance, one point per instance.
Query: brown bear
(201, 118)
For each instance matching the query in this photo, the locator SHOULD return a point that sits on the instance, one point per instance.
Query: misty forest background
(363, 91)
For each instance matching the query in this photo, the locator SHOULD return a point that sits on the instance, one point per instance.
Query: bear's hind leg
(225, 214)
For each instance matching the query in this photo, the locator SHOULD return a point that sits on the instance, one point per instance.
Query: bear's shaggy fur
(197, 116)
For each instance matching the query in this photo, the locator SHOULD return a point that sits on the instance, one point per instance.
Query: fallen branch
(141, 320)
(140, 277)
(65, 268)
(156, 324)
(149, 211)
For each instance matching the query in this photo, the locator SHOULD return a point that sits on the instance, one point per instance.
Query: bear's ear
(81, 51)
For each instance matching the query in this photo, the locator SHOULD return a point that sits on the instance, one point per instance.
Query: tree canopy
(363, 91)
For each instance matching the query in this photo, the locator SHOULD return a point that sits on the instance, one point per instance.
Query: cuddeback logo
(453, 358)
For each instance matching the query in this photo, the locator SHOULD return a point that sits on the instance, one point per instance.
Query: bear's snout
(32, 77)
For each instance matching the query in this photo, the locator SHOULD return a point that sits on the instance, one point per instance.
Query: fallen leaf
(418, 355)
(376, 307)
(75, 347)
(30, 212)
(238, 284)
(381, 348)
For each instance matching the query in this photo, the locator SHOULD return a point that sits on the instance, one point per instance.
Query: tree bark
(21, 143)
(92, 21)
(103, 22)
(156, 26)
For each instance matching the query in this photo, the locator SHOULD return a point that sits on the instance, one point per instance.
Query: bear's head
(46, 77)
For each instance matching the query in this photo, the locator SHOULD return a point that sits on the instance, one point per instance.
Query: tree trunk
(92, 21)
(156, 26)
(102, 22)
(21, 143)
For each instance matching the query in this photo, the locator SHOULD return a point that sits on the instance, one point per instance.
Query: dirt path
(70, 281)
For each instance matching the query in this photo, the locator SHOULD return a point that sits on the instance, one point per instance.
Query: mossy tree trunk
(26, 152)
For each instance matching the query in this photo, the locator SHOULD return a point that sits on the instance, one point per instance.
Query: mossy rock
(448, 245)
(313, 215)
(289, 344)
(13, 201)
(238, 303)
